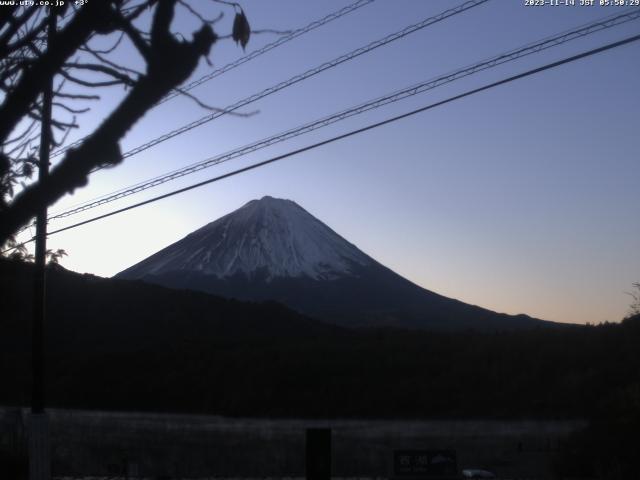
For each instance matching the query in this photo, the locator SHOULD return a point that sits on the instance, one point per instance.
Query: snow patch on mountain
(270, 236)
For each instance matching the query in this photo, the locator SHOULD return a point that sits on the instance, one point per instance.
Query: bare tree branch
(121, 77)
(15, 24)
(76, 96)
(91, 17)
(100, 56)
(169, 64)
(70, 109)
(201, 104)
(199, 16)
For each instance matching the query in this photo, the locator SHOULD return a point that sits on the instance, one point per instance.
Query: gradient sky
(522, 199)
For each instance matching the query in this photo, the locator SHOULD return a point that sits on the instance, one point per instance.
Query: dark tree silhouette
(634, 308)
(81, 67)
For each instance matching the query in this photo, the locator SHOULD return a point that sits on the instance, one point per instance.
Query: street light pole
(39, 448)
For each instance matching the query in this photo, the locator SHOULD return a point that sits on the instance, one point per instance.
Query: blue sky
(522, 199)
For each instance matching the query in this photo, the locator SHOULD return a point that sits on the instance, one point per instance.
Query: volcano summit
(273, 249)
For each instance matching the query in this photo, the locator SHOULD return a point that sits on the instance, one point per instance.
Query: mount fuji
(273, 249)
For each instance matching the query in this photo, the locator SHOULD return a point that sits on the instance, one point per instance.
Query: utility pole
(39, 447)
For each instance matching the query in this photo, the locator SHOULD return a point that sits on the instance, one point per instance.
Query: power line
(305, 75)
(266, 48)
(549, 42)
(513, 78)
(256, 53)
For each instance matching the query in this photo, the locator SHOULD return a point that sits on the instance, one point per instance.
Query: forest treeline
(127, 345)
(121, 345)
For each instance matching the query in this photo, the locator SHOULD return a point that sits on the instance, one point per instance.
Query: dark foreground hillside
(127, 345)
(120, 345)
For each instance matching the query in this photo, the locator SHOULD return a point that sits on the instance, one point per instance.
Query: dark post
(318, 461)
(39, 464)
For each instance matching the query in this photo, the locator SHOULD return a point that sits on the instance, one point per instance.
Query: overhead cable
(513, 78)
(492, 62)
(302, 76)
(250, 56)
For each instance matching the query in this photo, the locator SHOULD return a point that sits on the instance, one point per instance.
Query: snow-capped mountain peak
(271, 237)
(273, 249)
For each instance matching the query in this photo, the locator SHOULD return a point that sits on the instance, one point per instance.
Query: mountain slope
(272, 249)
(268, 238)
(117, 316)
